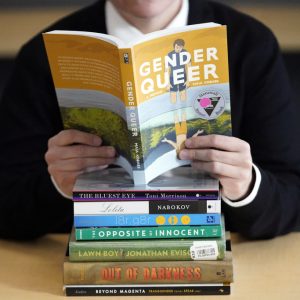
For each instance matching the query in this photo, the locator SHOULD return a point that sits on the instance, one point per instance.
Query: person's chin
(142, 8)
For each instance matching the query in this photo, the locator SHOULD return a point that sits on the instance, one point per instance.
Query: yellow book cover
(144, 98)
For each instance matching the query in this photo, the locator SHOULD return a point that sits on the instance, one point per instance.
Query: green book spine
(164, 232)
(148, 250)
(148, 272)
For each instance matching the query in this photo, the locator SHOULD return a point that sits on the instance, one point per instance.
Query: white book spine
(111, 208)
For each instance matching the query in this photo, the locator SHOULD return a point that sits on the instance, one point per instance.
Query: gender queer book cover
(145, 98)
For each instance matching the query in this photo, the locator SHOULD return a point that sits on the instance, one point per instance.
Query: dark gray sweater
(262, 114)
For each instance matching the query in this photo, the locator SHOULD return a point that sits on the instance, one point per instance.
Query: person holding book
(259, 167)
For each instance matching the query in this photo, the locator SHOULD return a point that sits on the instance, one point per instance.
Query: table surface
(262, 269)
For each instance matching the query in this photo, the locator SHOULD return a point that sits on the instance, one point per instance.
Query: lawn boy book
(148, 250)
(115, 184)
(147, 97)
(148, 289)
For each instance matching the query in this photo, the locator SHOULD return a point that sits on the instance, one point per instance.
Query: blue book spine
(146, 220)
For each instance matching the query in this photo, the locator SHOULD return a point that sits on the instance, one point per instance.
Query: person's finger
(78, 164)
(80, 151)
(73, 136)
(214, 155)
(221, 142)
(220, 169)
(95, 168)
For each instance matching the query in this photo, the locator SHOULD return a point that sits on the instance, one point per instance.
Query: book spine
(143, 290)
(163, 232)
(146, 220)
(147, 207)
(147, 250)
(131, 104)
(148, 272)
(146, 195)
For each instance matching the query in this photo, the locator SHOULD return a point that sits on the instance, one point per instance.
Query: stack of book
(164, 238)
(163, 234)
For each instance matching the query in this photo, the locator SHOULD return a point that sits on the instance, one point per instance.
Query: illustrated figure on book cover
(181, 133)
(178, 65)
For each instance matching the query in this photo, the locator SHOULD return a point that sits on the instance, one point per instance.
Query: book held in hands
(147, 97)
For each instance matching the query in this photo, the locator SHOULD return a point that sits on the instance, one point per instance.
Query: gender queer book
(147, 97)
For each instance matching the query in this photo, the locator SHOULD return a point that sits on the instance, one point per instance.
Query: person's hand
(72, 152)
(226, 158)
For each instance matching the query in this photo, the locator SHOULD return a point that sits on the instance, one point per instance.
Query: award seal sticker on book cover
(209, 105)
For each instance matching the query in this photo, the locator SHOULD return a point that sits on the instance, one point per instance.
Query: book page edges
(105, 37)
(121, 44)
